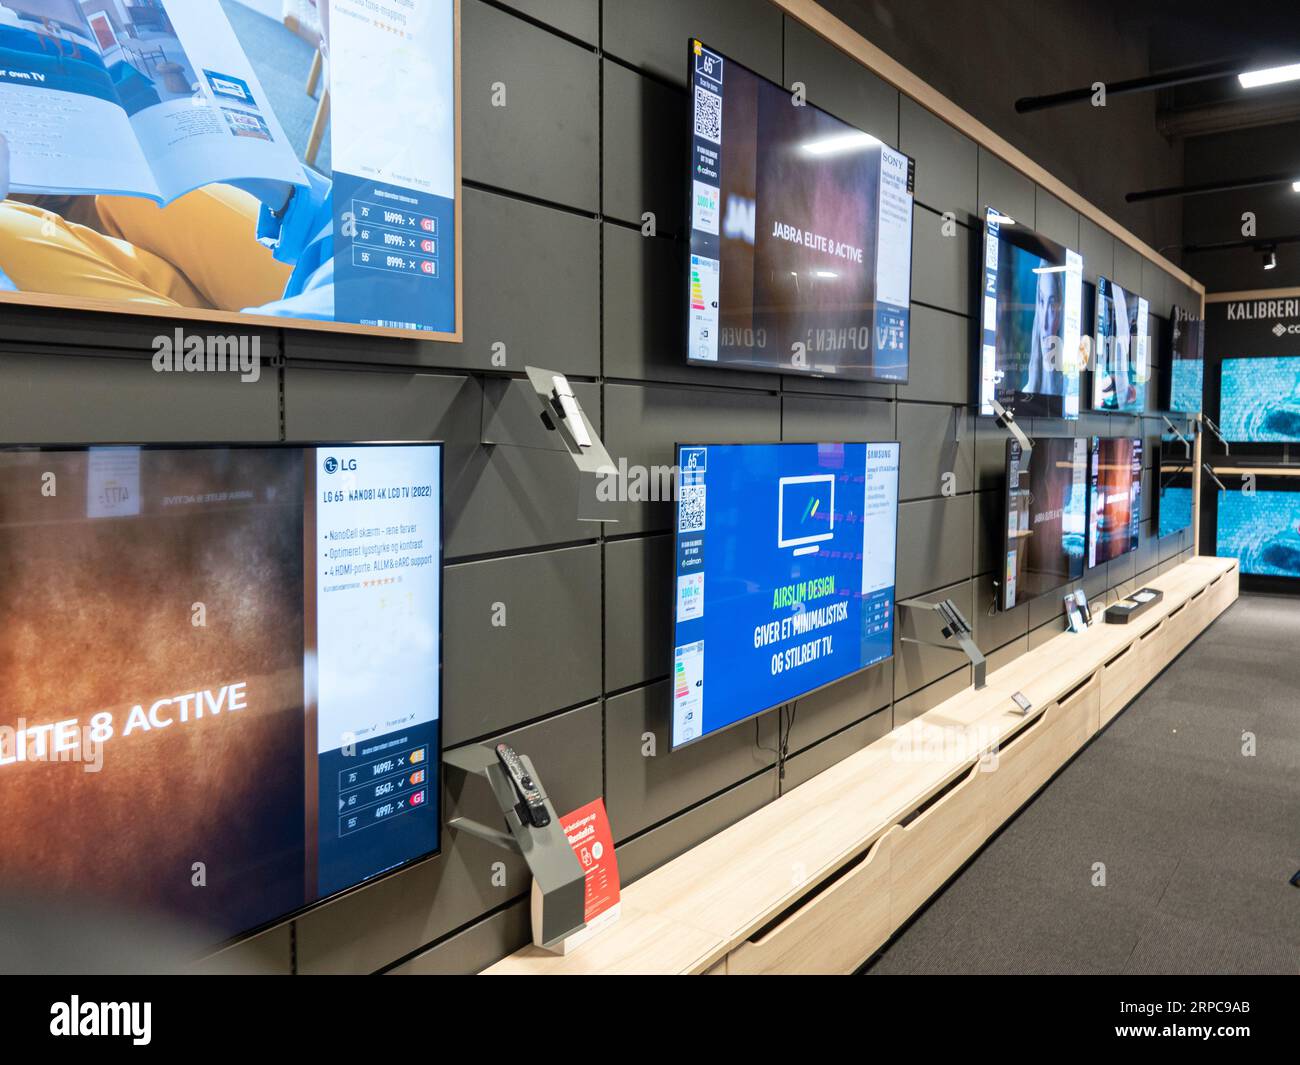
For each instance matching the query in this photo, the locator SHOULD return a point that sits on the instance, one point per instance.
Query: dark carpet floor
(1198, 840)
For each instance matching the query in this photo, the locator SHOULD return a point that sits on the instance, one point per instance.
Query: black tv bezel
(1167, 362)
(245, 445)
(1093, 441)
(672, 610)
(1025, 239)
(688, 229)
(1108, 283)
(1000, 578)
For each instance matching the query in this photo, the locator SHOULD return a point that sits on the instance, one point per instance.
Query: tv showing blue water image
(1262, 531)
(1175, 505)
(1260, 400)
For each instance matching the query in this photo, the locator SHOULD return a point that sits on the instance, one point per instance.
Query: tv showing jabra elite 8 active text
(800, 257)
(1114, 498)
(1184, 368)
(1259, 399)
(1120, 357)
(1045, 517)
(221, 668)
(1031, 315)
(784, 575)
(243, 162)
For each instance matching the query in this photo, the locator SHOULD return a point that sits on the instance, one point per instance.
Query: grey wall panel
(69, 399)
(550, 609)
(839, 84)
(990, 455)
(1175, 543)
(1050, 606)
(544, 141)
(577, 18)
(643, 791)
(1097, 247)
(1122, 569)
(802, 767)
(947, 162)
(1055, 219)
(661, 844)
(938, 452)
(644, 149)
(1155, 287)
(369, 929)
(654, 36)
(644, 424)
(1007, 189)
(841, 704)
(1095, 582)
(638, 610)
(1128, 267)
(644, 315)
(813, 420)
(940, 357)
(1007, 653)
(941, 263)
(993, 629)
(829, 386)
(474, 949)
(919, 664)
(1040, 635)
(935, 543)
(82, 332)
(1148, 552)
(916, 704)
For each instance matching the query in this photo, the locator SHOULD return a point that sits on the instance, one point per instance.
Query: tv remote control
(532, 809)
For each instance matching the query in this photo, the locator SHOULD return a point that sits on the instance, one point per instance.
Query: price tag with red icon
(588, 832)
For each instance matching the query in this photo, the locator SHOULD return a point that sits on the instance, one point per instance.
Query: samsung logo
(133, 1019)
(1249, 311)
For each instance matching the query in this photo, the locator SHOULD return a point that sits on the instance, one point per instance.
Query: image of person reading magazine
(140, 161)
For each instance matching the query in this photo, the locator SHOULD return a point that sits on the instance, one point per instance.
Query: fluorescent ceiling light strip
(1254, 79)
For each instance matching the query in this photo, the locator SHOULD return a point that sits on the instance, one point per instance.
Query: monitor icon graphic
(805, 512)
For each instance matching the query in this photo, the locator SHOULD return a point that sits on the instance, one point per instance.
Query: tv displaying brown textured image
(804, 270)
(1046, 515)
(136, 579)
(1117, 470)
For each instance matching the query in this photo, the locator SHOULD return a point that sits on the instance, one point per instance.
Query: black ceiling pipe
(1212, 186)
(1260, 244)
(1168, 79)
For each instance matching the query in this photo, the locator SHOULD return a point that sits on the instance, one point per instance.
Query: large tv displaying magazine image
(1045, 517)
(1114, 497)
(1184, 366)
(800, 252)
(1259, 399)
(1121, 363)
(1031, 322)
(219, 161)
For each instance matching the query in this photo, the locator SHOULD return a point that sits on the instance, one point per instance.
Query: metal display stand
(1007, 420)
(955, 628)
(555, 867)
(563, 415)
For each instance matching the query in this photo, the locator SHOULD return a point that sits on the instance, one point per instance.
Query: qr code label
(690, 508)
(708, 115)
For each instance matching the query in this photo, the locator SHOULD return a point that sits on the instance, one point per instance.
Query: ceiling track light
(1205, 188)
(1270, 259)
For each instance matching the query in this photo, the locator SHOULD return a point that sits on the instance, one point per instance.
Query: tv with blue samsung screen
(784, 575)
(1259, 400)
(1261, 530)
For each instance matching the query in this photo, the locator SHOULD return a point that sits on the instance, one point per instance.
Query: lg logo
(333, 465)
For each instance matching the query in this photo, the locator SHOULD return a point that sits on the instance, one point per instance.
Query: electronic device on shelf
(800, 249)
(1135, 605)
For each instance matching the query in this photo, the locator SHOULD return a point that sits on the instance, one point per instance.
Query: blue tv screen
(784, 575)
(1262, 531)
(1259, 400)
(1186, 362)
(1175, 506)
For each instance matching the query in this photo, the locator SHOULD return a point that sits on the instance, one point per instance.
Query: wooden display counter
(818, 880)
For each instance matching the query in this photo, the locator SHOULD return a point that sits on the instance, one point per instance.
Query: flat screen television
(1031, 322)
(1045, 517)
(167, 160)
(1259, 399)
(222, 674)
(784, 575)
(1114, 497)
(1184, 373)
(1174, 504)
(1261, 530)
(800, 252)
(1121, 365)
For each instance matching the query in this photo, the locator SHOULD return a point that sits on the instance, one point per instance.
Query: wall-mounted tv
(171, 158)
(1045, 517)
(1262, 530)
(1031, 321)
(1184, 365)
(1121, 363)
(800, 256)
(221, 668)
(1114, 497)
(784, 575)
(1259, 399)
(1173, 503)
